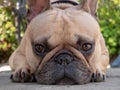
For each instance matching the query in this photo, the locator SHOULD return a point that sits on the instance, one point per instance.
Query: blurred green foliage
(7, 33)
(109, 19)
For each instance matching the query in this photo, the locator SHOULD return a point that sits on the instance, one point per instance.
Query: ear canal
(89, 6)
(36, 7)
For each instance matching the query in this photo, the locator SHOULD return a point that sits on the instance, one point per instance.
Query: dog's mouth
(65, 81)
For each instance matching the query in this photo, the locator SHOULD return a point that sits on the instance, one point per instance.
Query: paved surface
(112, 83)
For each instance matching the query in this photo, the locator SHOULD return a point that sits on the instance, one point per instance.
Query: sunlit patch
(108, 66)
(5, 68)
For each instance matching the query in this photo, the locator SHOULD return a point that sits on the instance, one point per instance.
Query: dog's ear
(36, 7)
(89, 6)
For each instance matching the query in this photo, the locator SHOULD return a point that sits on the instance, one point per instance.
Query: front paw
(98, 77)
(21, 75)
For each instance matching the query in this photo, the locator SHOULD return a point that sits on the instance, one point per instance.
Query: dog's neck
(62, 4)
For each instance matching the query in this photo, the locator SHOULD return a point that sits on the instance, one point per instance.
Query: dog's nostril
(63, 59)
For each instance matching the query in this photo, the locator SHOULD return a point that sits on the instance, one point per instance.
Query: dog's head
(60, 43)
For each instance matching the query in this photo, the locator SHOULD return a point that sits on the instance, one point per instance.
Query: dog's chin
(66, 81)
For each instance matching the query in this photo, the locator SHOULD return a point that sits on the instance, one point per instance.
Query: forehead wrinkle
(66, 33)
(62, 34)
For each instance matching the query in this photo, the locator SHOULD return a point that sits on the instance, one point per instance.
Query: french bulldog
(62, 44)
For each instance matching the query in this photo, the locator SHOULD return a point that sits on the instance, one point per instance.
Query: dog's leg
(19, 64)
(101, 63)
(20, 67)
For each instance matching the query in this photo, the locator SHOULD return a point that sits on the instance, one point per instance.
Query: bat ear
(36, 7)
(89, 6)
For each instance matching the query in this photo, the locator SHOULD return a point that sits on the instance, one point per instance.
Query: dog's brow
(83, 38)
(42, 40)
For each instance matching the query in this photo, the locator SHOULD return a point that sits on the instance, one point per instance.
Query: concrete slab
(112, 83)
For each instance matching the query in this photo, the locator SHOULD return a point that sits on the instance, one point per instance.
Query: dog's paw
(21, 75)
(98, 77)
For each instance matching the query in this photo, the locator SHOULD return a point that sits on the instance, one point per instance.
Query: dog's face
(64, 42)
(61, 45)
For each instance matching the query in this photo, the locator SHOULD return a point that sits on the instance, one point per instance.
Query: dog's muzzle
(63, 68)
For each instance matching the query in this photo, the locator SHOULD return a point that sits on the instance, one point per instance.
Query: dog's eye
(86, 46)
(39, 48)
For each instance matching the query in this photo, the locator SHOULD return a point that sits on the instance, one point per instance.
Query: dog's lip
(65, 81)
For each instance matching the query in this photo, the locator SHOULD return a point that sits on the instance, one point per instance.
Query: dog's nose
(63, 58)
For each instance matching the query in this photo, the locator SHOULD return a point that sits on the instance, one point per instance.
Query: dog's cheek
(33, 60)
(78, 72)
(49, 74)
